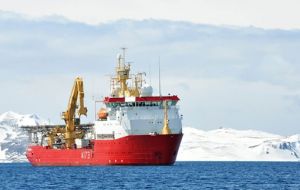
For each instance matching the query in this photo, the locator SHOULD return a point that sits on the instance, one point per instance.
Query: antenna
(159, 82)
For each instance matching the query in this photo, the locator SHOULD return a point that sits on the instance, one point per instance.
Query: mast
(124, 51)
(122, 72)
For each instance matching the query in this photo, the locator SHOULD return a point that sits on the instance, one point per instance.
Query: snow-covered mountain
(237, 145)
(216, 145)
(13, 140)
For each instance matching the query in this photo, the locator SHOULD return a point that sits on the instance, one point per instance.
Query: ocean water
(182, 175)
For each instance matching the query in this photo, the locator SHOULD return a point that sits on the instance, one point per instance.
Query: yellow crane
(69, 114)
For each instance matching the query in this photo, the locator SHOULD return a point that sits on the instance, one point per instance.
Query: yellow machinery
(69, 114)
(119, 85)
(122, 71)
(53, 133)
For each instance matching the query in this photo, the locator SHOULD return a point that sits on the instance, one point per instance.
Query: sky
(260, 13)
(233, 65)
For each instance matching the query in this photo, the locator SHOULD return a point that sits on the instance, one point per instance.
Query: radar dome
(146, 90)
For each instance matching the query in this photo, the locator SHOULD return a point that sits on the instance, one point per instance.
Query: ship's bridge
(140, 101)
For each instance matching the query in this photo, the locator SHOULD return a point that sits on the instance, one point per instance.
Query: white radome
(146, 90)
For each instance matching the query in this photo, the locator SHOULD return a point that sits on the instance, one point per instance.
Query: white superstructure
(133, 110)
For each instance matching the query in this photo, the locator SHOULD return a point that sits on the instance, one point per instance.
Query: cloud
(226, 76)
(266, 14)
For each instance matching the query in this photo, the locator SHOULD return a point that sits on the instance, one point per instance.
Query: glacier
(13, 140)
(223, 144)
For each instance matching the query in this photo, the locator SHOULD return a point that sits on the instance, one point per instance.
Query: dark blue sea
(182, 175)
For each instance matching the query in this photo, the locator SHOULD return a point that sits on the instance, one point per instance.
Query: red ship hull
(129, 150)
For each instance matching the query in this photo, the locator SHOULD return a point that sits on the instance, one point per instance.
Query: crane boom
(69, 114)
